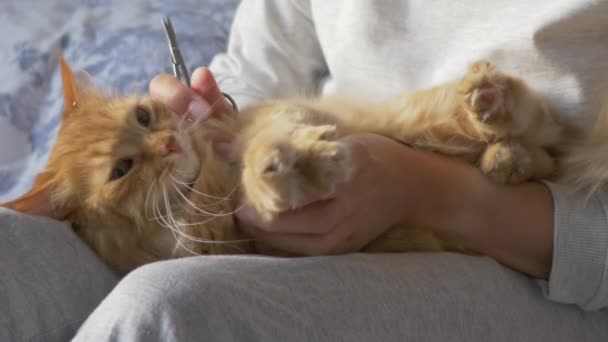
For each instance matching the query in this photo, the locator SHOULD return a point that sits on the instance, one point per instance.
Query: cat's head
(118, 163)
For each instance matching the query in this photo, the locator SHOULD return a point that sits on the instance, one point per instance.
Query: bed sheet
(120, 44)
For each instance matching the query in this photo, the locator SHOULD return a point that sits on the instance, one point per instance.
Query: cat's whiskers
(156, 181)
(173, 225)
(185, 198)
(194, 206)
(179, 203)
(181, 172)
(163, 222)
(221, 199)
(169, 221)
(213, 217)
(158, 215)
(155, 217)
(146, 201)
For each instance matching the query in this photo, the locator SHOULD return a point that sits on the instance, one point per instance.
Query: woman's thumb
(177, 97)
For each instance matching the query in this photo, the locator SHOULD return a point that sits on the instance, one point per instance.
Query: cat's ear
(68, 81)
(38, 200)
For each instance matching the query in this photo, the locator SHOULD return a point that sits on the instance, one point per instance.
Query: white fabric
(372, 49)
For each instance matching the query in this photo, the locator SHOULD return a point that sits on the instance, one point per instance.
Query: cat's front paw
(507, 163)
(292, 172)
(484, 90)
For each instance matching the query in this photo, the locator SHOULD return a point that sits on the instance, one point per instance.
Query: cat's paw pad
(484, 91)
(507, 163)
(267, 169)
(278, 161)
(322, 162)
(326, 165)
(288, 175)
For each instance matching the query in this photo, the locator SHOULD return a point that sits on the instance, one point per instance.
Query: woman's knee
(51, 279)
(171, 285)
(171, 300)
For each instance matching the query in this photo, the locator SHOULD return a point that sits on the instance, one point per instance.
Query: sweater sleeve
(579, 274)
(272, 51)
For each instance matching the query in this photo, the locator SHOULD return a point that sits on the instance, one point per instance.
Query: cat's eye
(121, 168)
(143, 116)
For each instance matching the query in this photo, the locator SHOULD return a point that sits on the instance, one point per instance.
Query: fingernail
(198, 109)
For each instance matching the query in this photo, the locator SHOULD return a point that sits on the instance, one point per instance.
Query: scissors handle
(232, 102)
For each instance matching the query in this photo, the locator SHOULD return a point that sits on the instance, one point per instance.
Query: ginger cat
(584, 164)
(140, 186)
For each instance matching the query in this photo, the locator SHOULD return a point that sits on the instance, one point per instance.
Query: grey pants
(54, 282)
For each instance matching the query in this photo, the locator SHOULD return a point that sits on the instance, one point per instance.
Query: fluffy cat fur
(139, 185)
(584, 164)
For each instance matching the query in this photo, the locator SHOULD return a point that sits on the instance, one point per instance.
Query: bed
(120, 44)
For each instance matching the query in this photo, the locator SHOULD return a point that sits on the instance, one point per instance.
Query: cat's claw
(484, 92)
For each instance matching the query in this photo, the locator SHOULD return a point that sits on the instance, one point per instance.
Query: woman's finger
(177, 97)
(316, 218)
(204, 84)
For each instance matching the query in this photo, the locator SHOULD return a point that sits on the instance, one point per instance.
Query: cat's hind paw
(484, 91)
(507, 163)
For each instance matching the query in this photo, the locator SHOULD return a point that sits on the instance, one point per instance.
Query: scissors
(180, 70)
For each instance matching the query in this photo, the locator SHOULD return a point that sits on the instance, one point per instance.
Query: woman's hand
(397, 184)
(203, 99)
(384, 191)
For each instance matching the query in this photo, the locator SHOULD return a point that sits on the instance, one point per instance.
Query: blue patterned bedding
(121, 44)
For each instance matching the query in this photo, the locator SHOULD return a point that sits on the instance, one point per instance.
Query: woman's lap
(50, 281)
(417, 297)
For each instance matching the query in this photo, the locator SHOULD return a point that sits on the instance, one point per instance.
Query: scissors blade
(180, 69)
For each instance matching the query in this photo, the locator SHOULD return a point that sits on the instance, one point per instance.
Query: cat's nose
(172, 146)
